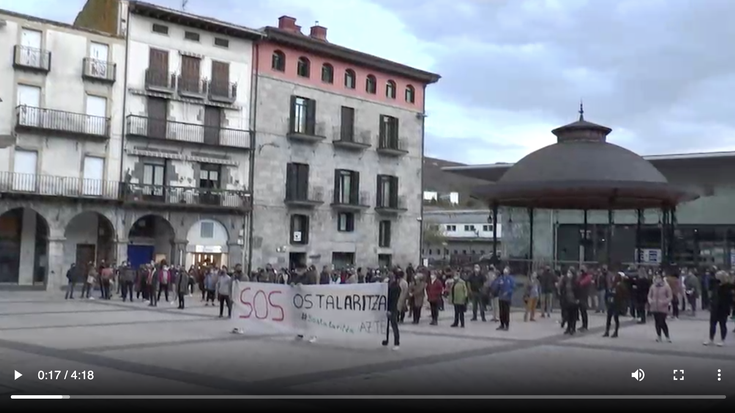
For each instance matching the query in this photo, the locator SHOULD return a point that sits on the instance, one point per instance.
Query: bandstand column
(664, 235)
(583, 255)
(530, 239)
(495, 233)
(672, 235)
(610, 232)
(638, 225)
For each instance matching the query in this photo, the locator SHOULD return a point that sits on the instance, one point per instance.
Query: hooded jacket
(660, 296)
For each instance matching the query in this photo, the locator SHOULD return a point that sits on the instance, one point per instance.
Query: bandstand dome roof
(583, 171)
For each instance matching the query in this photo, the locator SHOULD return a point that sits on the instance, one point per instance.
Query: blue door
(140, 254)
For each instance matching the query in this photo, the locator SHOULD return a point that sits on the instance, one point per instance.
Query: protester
(91, 279)
(569, 291)
(397, 291)
(72, 275)
(210, 286)
(584, 288)
(476, 281)
(458, 296)
(127, 281)
(643, 285)
(547, 281)
(183, 286)
(530, 297)
(224, 288)
(417, 293)
(721, 300)
(675, 286)
(692, 290)
(503, 288)
(616, 300)
(434, 290)
(660, 297)
(304, 277)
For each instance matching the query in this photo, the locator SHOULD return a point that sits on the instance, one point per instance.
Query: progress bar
(376, 397)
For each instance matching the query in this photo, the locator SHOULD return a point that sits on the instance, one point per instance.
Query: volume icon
(719, 374)
(638, 375)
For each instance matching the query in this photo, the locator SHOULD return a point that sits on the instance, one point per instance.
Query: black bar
(608, 246)
(638, 228)
(495, 234)
(584, 237)
(530, 240)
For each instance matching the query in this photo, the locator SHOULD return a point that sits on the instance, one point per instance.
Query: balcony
(191, 88)
(311, 199)
(30, 185)
(391, 207)
(32, 119)
(160, 81)
(144, 127)
(394, 147)
(186, 198)
(350, 205)
(29, 58)
(309, 132)
(357, 141)
(223, 92)
(99, 70)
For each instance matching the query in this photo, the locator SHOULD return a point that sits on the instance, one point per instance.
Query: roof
(301, 41)
(56, 23)
(194, 21)
(493, 172)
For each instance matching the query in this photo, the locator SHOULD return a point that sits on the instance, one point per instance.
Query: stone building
(457, 236)
(186, 156)
(60, 147)
(339, 153)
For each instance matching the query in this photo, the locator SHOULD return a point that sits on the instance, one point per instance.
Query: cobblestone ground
(135, 349)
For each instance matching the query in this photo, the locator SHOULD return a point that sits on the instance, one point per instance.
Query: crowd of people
(484, 292)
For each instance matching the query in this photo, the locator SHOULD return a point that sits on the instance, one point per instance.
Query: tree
(433, 234)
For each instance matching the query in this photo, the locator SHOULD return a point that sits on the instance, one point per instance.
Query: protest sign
(319, 310)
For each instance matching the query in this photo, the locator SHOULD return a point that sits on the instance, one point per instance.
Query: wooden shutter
(379, 192)
(393, 191)
(292, 116)
(292, 175)
(311, 117)
(382, 141)
(347, 131)
(292, 229)
(350, 222)
(220, 73)
(337, 186)
(305, 230)
(355, 188)
(302, 186)
(387, 233)
(394, 132)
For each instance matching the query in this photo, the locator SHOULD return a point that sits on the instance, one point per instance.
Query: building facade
(60, 147)
(339, 154)
(186, 156)
(459, 236)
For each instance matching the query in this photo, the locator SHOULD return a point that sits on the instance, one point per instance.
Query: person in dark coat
(615, 299)
(127, 281)
(72, 276)
(643, 285)
(721, 300)
(303, 276)
(397, 293)
(476, 281)
(570, 292)
(547, 281)
(584, 287)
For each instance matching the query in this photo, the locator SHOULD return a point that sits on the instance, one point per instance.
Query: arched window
(410, 94)
(303, 67)
(327, 73)
(371, 84)
(350, 79)
(390, 89)
(278, 61)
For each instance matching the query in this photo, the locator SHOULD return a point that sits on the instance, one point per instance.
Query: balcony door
(153, 181)
(212, 123)
(220, 78)
(96, 115)
(157, 114)
(99, 53)
(158, 68)
(209, 183)
(24, 170)
(30, 53)
(94, 171)
(190, 74)
(29, 100)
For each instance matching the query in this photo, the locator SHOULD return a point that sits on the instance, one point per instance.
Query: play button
(17, 375)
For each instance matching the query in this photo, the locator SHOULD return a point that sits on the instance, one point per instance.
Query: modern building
(60, 147)
(340, 140)
(186, 158)
(459, 236)
(704, 228)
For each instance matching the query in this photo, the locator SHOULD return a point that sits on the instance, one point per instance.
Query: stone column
(121, 252)
(55, 273)
(27, 258)
(179, 253)
(236, 254)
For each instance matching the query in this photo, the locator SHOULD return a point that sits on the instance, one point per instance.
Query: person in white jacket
(224, 287)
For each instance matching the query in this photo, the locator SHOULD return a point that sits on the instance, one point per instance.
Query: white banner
(318, 310)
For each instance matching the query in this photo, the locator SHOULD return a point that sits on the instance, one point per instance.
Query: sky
(660, 73)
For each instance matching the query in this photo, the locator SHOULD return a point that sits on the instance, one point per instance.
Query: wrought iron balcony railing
(59, 186)
(186, 132)
(346, 203)
(392, 146)
(30, 118)
(306, 199)
(30, 58)
(357, 140)
(222, 91)
(99, 70)
(192, 87)
(160, 80)
(391, 206)
(186, 196)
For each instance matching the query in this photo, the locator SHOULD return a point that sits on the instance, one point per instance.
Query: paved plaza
(135, 349)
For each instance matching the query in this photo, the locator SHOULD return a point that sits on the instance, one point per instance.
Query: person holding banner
(299, 278)
(397, 294)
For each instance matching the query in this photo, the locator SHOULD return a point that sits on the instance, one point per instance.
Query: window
(410, 94)
(297, 182)
(159, 28)
(94, 173)
(206, 229)
(346, 187)
(455, 252)
(487, 228)
(278, 61)
(371, 84)
(384, 234)
(350, 79)
(299, 229)
(347, 125)
(209, 176)
(451, 228)
(469, 227)
(25, 167)
(346, 222)
(464, 252)
(388, 132)
(430, 252)
(221, 42)
(327, 73)
(153, 179)
(304, 67)
(387, 193)
(191, 36)
(303, 116)
(390, 89)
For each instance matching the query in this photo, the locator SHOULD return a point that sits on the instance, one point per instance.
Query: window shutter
(394, 132)
(393, 191)
(350, 222)
(302, 175)
(348, 122)
(388, 233)
(291, 181)
(293, 229)
(382, 131)
(336, 186)
(311, 117)
(355, 188)
(292, 116)
(305, 230)
(379, 192)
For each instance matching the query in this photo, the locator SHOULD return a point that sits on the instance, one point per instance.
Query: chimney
(318, 32)
(287, 23)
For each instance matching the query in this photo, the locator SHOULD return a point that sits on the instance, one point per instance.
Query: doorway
(86, 253)
(296, 260)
